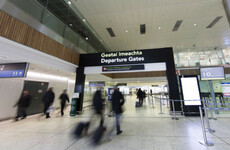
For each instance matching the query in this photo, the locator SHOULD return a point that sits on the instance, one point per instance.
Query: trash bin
(73, 110)
(76, 105)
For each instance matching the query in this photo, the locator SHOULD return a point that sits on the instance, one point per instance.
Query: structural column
(79, 87)
(226, 4)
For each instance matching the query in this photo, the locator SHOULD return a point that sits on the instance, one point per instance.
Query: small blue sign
(12, 73)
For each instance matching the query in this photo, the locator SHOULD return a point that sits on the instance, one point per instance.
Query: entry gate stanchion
(167, 102)
(152, 102)
(160, 106)
(174, 113)
(208, 129)
(205, 141)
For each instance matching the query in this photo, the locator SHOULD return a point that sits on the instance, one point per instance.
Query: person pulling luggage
(97, 110)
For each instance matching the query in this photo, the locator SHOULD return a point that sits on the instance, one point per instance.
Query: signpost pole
(213, 96)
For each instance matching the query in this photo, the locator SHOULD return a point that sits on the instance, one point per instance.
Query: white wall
(70, 88)
(59, 86)
(10, 91)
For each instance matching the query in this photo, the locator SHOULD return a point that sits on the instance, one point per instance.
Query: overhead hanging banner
(127, 57)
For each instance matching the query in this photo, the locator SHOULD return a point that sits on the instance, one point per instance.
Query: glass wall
(39, 13)
(200, 58)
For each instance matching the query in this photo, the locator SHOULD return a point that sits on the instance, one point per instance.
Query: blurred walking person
(64, 97)
(140, 96)
(117, 102)
(97, 109)
(23, 103)
(48, 100)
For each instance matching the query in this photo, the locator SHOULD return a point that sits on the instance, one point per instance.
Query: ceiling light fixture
(194, 24)
(71, 24)
(69, 2)
(159, 28)
(86, 38)
(84, 20)
(126, 30)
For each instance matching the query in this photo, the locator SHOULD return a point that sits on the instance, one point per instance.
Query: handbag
(51, 108)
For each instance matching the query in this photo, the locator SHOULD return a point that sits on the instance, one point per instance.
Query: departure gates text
(122, 57)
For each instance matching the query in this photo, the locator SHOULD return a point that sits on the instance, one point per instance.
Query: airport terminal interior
(176, 53)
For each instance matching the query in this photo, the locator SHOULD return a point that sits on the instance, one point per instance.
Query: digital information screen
(96, 83)
(212, 73)
(13, 70)
(123, 68)
(190, 91)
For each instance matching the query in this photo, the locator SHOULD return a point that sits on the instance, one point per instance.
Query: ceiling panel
(125, 15)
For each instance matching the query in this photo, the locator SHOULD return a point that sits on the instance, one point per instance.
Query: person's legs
(24, 113)
(18, 113)
(118, 124)
(102, 118)
(62, 108)
(45, 109)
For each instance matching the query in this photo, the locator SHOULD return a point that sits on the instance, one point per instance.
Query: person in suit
(63, 97)
(23, 103)
(140, 96)
(117, 102)
(48, 100)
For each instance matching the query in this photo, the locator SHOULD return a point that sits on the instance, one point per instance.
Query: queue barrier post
(204, 142)
(174, 113)
(208, 129)
(161, 107)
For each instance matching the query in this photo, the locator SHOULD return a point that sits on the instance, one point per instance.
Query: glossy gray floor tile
(143, 128)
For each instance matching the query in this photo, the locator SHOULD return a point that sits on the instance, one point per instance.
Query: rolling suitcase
(138, 104)
(98, 134)
(79, 129)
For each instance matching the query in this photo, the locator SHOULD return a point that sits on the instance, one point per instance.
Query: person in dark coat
(117, 102)
(151, 92)
(98, 105)
(140, 96)
(64, 97)
(48, 100)
(97, 109)
(23, 103)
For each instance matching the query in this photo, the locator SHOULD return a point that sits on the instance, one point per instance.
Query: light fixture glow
(159, 28)
(84, 20)
(37, 75)
(69, 2)
(126, 30)
(86, 38)
(71, 24)
(194, 24)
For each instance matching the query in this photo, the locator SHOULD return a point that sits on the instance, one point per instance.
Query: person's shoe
(16, 119)
(23, 118)
(119, 132)
(48, 117)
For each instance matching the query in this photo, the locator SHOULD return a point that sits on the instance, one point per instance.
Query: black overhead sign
(13, 70)
(123, 68)
(96, 83)
(126, 57)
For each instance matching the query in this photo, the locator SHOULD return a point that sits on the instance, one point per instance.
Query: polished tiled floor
(143, 128)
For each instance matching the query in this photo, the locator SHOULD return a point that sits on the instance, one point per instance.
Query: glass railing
(39, 13)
